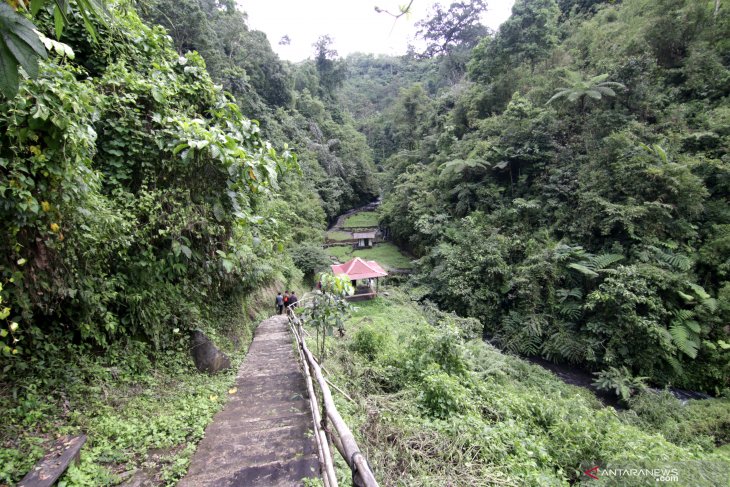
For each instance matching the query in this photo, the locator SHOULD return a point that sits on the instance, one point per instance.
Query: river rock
(206, 356)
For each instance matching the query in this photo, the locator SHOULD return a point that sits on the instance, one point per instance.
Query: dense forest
(570, 190)
(562, 184)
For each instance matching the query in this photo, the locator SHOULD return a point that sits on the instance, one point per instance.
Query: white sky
(354, 25)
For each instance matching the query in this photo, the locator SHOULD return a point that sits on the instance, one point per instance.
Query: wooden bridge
(273, 431)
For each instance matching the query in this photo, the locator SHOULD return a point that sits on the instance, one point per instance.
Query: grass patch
(387, 254)
(134, 412)
(384, 253)
(362, 219)
(432, 409)
(338, 236)
(343, 253)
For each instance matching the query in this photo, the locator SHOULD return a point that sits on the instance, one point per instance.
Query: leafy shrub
(310, 259)
(620, 381)
(369, 342)
(705, 423)
(443, 394)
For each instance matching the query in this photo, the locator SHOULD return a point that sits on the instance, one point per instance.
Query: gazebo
(360, 269)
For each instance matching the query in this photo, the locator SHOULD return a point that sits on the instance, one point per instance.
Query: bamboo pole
(344, 440)
(325, 457)
(312, 407)
(340, 391)
(353, 456)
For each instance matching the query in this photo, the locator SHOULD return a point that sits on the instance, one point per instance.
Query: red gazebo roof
(358, 268)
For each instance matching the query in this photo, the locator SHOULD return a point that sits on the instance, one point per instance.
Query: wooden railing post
(344, 441)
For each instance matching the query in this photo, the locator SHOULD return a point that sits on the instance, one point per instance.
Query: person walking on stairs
(279, 304)
(291, 303)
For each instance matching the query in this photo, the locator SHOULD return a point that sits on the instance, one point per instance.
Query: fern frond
(693, 326)
(605, 91)
(603, 261)
(680, 335)
(571, 311)
(677, 261)
(557, 95)
(699, 291)
(683, 315)
(710, 305)
(563, 345)
(676, 365)
(583, 269)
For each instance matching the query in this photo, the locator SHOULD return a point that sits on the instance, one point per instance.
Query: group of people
(285, 301)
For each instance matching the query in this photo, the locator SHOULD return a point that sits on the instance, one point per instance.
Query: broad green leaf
(58, 22)
(19, 45)
(36, 5)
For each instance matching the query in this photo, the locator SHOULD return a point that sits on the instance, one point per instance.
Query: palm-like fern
(521, 334)
(685, 332)
(564, 344)
(458, 167)
(580, 89)
(591, 265)
(570, 304)
(672, 259)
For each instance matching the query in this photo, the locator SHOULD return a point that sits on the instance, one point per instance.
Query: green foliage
(136, 413)
(456, 27)
(21, 45)
(596, 88)
(498, 420)
(369, 342)
(336, 164)
(331, 70)
(327, 309)
(620, 381)
(702, 423)
(338, 236)
(136, 197)
(575, 234)
(442, 394)
(310, 259)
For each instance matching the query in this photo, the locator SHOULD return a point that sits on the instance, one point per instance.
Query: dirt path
(263, 435)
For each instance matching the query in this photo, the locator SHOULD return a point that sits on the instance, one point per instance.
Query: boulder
(206, 356)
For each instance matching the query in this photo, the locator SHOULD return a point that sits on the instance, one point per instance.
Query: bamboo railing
(339, 434)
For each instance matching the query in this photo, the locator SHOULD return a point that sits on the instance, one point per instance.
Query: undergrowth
(434, 406)
(143, 410)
